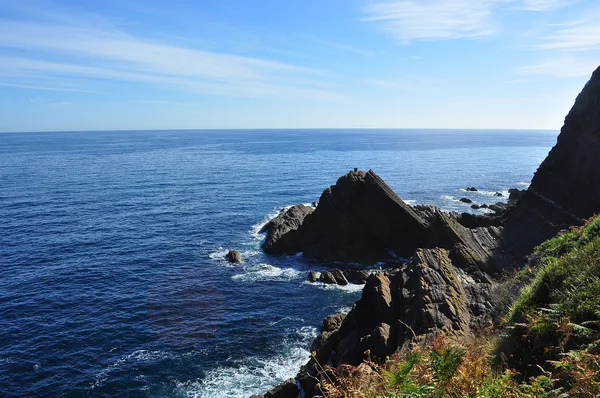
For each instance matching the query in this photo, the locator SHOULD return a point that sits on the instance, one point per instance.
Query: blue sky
(142, 64)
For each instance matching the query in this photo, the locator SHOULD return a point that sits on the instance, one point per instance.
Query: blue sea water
(112, 278)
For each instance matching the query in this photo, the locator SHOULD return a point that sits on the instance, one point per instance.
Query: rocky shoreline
(453, 276)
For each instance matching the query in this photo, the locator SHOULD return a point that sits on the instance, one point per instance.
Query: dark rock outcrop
(313, 276)
(515, 194)
(566, 187)
(426, 295)
(472, 189)
(234, 257)
(359, 219)
(280, 228)
(287, 389)
(466, 200)
(449, 282)
(339, 277)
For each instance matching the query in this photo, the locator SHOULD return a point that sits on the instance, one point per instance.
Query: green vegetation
(549, 347)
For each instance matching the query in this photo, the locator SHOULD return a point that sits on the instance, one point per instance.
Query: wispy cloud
(563, 66)
(580, 34)
(432, 19)
(40, 47)
(409, 20)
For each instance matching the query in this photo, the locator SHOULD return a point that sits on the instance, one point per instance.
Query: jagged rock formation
(426, 295)
(566, 187)
(448, 283)
(359, 219)
(280, 229)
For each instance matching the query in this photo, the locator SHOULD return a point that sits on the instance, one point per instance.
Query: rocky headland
(447, 268)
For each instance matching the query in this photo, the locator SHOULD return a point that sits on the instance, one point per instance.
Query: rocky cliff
(566, 187)
(450, 282)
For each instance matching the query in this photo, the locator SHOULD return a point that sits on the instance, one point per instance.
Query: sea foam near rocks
(266, 272)
(252, 375)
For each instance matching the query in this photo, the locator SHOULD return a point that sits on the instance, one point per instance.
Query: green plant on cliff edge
(551, 348)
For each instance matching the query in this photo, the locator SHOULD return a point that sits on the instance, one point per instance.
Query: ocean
(112, 277)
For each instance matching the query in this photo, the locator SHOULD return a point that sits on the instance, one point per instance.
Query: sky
(212, 64)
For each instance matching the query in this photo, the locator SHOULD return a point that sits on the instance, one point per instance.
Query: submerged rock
(472, 189)
(234, 257)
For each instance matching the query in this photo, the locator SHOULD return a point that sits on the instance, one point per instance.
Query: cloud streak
(39, 50)
(409, 20)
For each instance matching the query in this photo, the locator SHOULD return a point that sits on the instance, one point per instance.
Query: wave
(349, 288)
(255, 229)
(266, 272)
(135, 357)
(410, 202)
(253, 375)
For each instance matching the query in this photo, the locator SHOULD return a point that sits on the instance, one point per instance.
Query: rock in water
(515, 194)
(466, 200)
(313, 276)
(472, 189)
(233, 256)
(359, 219)
(279, 229)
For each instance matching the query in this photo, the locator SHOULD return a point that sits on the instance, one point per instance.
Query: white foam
(524, 184)
(448, 197)
(252, 375)
(349, 288)
(255, 229)
(136, 356)
(504, 193)
(410, 202)
(266, 272)
(218, 254)
(344, 310)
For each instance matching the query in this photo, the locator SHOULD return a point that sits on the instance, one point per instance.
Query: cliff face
(449, 282)
(566, 186)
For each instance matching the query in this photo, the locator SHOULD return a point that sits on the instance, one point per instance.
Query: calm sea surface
(112, 281)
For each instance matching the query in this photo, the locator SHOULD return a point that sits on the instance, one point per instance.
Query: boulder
(356, 277)
(515, 194)
(328, 278)
(466, 200)
(498, 194)
(234, 257)
(333, 277)
(359, 219)
(332, 322)
(475, 206)
(281, 226)
(287, 389)
(313, 276)
(472, 189)
(339, 277)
